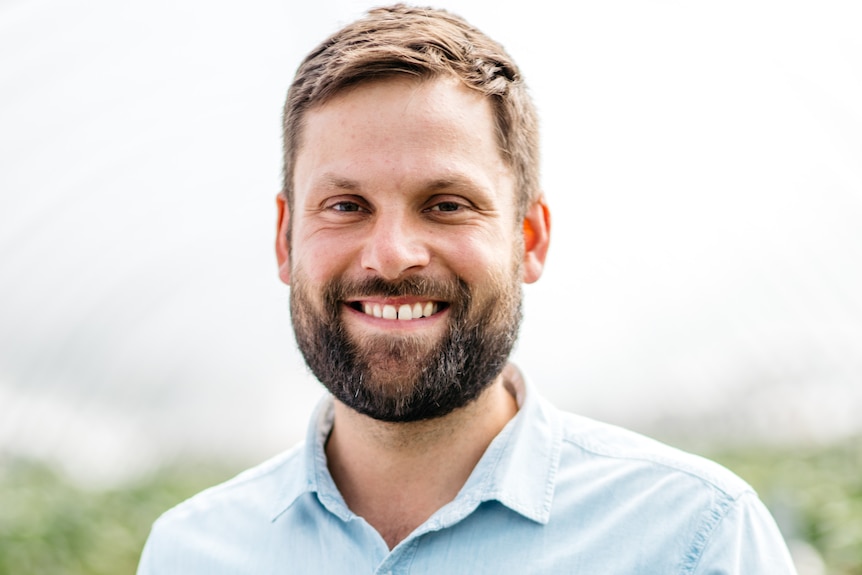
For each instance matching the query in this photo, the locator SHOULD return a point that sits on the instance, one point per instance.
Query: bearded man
(411, 213)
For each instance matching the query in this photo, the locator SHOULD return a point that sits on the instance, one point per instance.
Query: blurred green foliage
(815, 493)
(51, 525)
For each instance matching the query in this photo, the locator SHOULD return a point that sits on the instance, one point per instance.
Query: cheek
(320, 257)
(473, 258)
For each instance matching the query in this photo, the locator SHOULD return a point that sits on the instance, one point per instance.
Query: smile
(402, 312)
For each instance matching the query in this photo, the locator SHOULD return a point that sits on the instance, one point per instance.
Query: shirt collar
(517, 469)
(520, 464)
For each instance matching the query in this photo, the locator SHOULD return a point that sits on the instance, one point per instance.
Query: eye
(446, 207)
(345, 207)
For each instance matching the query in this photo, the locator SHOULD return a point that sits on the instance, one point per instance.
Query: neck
(396, 475)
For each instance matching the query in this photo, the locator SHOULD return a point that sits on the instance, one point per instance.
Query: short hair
(425, 43)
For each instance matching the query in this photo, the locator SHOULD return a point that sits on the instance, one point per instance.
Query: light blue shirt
(553, 493)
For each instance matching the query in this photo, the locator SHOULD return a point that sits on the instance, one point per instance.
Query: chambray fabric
(554, 493)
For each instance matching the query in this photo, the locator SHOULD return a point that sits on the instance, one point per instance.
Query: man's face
(405, 256)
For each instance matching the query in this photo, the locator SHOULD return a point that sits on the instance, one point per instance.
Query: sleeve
(162, 555)
(149, 563)
(146, 565)
(746, 541)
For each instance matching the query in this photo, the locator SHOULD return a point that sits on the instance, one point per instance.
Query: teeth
(404, 312)
(389, 312)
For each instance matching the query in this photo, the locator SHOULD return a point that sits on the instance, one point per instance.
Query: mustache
(453, 290)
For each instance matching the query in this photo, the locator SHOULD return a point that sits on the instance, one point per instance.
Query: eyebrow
(334, 181)
(453, 182)
(457, 181)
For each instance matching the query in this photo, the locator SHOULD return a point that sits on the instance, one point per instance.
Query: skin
(398, 177)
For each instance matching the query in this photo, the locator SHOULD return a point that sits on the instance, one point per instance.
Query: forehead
(398, 126)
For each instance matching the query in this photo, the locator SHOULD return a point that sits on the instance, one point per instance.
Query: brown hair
(425, 43)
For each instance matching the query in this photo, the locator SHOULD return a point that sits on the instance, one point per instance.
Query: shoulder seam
(725, 486)
(253, 473)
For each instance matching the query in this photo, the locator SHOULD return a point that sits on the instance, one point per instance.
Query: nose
(394, 247)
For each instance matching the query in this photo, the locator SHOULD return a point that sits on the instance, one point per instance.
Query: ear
(537, 236)
(282, 248)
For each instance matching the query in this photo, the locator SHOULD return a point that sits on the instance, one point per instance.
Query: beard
(402, 378)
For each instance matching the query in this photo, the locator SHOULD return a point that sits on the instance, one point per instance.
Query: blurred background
(703, 163)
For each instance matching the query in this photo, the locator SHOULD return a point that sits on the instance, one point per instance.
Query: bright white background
(703, 162)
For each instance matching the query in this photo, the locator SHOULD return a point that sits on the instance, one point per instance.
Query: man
(410, 215)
